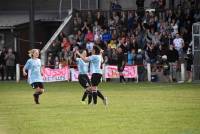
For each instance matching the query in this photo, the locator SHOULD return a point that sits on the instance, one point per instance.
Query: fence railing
(146, 74)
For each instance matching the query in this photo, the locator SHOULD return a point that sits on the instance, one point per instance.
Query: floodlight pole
(60, 9)
(32, 18)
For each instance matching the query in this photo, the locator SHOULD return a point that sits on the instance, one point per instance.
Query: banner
(74, 74)
(129, 72)
(51, 75)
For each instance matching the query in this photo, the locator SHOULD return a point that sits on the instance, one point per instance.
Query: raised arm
(86, 59)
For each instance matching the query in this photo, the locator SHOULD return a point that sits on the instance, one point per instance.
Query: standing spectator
(96, 28)
(156, 39)
(97, 36)
(112, 44)
(111, 23)
(178, 44)
(123, 45)
(56, 62)
(76, 26)
(100, 19)
(106, 36)
(121, 62)
(89, 46)
(151, 53)
(89, 18)
(10, 64)
(114, 57)
(166, 68)
(89, 36)
(65, 45)
(68, 56)
(131, 57)
(79, 37)
(85, 27)
(139, 60)
(2, 62)
(54, 49)
(165, 40)
(50, 61)
(173, 57)
(130, 21)
(175, 27)
(161, 4)
(61, 36)
(189, 63)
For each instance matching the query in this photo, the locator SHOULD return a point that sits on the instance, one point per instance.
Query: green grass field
(144, 108)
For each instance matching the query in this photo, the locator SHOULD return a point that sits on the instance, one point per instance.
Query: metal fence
(196, 50)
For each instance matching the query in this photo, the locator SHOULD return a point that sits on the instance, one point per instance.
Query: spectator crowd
(7, 64)
(161, 37)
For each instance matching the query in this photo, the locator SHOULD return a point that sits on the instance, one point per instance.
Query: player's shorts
(96, 79)
(189, 68)
(84, 80)
(37, 84)
(166, 72)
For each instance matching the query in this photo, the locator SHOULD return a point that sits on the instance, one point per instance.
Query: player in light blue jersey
(33, 66)
(83, 77)
(95, 67)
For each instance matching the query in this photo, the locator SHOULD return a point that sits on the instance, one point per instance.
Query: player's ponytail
(30, 53)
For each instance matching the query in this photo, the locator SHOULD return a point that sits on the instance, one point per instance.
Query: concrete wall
(24, 4)
(49, 5)
(66, 4)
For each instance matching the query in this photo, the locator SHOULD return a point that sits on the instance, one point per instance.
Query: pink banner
(74, 74)
(51, 75)
(129, 72)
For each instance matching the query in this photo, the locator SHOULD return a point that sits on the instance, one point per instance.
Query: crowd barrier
(69, 73)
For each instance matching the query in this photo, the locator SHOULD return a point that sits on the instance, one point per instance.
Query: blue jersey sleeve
(27, 65)
(92, 58)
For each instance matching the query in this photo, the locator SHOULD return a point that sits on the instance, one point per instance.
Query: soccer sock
(85, 95)
(100, 95)
(123, 78)
(120, 78)
(89, 97)
(94, 95)
(36, 96)
(37, 93)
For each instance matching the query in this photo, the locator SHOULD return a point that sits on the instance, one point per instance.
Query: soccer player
(83, 77)
(95, 63)
(33, 65)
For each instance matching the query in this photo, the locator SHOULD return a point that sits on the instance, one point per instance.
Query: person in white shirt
(89, 46)
(178, 44)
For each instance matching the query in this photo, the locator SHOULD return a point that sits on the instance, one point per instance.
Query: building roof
(12, 19)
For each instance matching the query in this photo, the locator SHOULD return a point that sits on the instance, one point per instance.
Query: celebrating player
(95, 62)
(83, 77)
(33, 65)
